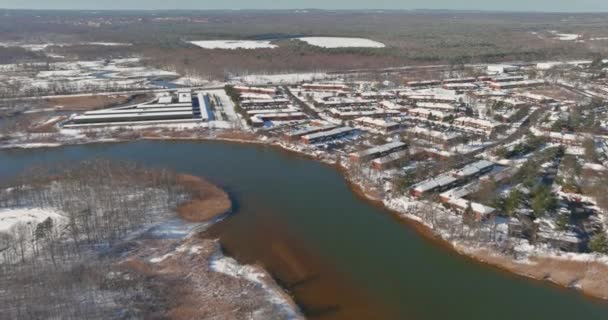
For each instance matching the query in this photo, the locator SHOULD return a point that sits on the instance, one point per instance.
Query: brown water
(341, 257)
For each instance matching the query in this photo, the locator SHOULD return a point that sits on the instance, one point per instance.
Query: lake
(341, 257)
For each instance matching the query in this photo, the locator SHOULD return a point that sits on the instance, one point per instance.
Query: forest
(411, 38)
(63, 267)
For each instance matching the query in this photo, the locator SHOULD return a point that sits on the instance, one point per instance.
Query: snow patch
(234, 44)
(229, 266)
(161, 259)
(337, 42)
(12, 217)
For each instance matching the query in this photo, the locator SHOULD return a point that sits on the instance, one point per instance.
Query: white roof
(476, 207)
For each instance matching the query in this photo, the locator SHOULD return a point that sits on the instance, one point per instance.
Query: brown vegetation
(207, 202)
(85, 103)
(589, 277)
(412, 38)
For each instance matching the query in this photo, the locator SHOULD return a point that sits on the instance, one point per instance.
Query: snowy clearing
(233, 44)
(11, 217)
(337, 42)
(566, 36)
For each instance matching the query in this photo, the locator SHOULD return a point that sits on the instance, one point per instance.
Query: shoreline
(209, 203)
(484, 256)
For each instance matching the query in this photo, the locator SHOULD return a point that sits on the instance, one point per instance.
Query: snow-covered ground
(229, 266)
(338, 42)
(83, 76)
(566, 36)
(234, 44)
(282, 79)
(44, 46)
(11, 217)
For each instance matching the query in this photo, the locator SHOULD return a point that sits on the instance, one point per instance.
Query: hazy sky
(509, 5)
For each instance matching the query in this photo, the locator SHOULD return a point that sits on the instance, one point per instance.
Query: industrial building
(188, 108)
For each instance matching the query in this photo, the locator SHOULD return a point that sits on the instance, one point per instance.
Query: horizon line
(310, 9)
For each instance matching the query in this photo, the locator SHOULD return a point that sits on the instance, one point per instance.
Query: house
(297, 134)
(430, 98)
(459, 192)
(436, 184)
(508, 78)
(378, 125)
(349, 114)
(568, 139)
(565, 240)
(279, 116)
(474, 169)
(517, 84)
(327, 135)
(479, 210)
(459, 80)
(445, 107)
(460, 86)
(262, 90)
(378, 151)
(263, 103)
(390, 160)
(483, 125)
(426, 113)
(326, 86)
(502, 68)
(424, 83)
(343, 102)
(434, 135)
(389, 105)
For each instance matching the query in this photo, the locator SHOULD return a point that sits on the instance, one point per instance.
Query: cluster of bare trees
(62, 266)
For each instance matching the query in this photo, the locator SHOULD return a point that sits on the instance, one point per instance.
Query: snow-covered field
(566, 36)
(337, 42)
(233, 44)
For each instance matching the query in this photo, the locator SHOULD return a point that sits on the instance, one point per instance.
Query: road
(111, 93)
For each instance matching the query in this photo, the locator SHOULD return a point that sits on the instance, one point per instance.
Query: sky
(490, 5)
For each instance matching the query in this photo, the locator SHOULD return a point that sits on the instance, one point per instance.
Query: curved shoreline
(208, 201)
(208, 205)
(483, 256)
